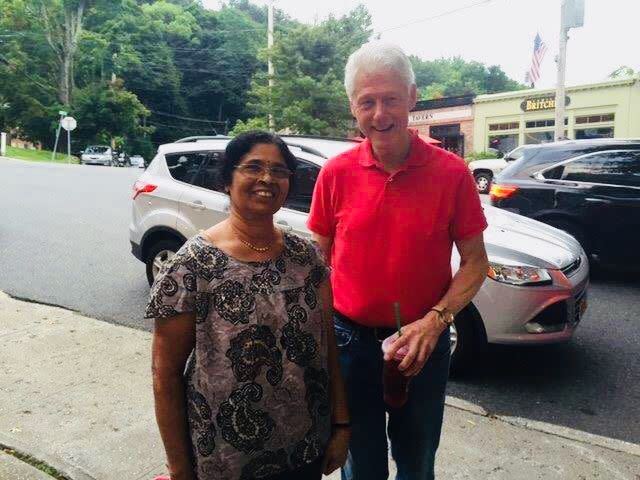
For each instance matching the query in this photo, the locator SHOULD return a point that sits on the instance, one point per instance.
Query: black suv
(589, 188)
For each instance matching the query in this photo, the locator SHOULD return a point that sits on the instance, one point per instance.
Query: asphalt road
(64, 241)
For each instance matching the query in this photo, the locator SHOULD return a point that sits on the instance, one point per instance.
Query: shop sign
(435, 116)
(541, 103)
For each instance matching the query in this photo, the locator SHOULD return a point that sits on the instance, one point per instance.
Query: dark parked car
(588, 188)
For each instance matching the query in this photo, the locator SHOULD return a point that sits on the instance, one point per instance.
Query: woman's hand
(336, 454)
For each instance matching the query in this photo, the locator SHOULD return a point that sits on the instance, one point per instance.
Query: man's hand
(336, 453)
(421, 337)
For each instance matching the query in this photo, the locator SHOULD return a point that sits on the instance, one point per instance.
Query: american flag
(539, 49)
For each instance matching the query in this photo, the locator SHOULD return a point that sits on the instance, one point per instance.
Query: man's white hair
(375, 57)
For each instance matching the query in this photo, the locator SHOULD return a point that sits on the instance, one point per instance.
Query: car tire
(158, 255)
(483, 182)
(467, 344)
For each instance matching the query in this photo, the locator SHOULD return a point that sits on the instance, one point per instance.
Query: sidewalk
(75, 394)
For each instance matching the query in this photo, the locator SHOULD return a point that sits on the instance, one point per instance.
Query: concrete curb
(70, 471)
(564, 432)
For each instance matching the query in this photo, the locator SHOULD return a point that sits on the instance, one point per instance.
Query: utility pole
(270, 63)
(571, 15)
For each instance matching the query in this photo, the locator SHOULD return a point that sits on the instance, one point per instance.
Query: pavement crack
(38, 302)
(34, 462)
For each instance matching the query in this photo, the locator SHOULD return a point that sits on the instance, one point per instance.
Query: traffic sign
(69, 123)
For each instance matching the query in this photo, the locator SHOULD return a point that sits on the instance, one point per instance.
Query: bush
(480, 156)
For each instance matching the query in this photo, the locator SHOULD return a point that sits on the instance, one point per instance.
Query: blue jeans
(414, 429)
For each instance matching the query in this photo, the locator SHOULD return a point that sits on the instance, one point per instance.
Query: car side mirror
(509, 159)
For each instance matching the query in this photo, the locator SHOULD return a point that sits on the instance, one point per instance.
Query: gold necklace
(249, 244)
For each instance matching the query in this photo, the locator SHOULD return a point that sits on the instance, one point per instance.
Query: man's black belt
(379, 333)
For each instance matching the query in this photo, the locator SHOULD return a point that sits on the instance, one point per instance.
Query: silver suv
(535, 291)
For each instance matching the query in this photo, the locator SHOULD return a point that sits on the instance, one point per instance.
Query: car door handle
(601, 201)
(197, 205)
(284, 225)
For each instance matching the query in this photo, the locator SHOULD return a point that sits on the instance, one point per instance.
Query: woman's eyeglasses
(256, 170)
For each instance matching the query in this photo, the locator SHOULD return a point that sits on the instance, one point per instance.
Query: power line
(443, 14)
(186, 118)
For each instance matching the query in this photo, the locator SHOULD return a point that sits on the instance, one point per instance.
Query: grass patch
(38, 155)
(34, 462)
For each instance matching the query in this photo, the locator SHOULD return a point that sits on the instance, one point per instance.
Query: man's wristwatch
(445, 315)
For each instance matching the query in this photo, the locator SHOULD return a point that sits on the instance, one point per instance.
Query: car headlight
(518, 274)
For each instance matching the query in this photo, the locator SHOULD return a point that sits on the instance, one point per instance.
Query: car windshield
(512, 167)
(96, 149)
(515, 154)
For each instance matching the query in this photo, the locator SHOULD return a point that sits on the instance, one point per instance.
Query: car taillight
(142, 187)
(500, 192)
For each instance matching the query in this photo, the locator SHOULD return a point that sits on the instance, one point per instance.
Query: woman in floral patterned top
(245, 368)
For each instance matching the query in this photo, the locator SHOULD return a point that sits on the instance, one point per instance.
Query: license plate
(582, 305)
(580, 308)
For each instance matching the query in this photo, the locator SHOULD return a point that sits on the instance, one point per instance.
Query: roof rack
(305, 149)
(201, 137)
(318, 137)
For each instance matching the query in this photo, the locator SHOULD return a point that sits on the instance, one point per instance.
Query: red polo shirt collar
(416, 156)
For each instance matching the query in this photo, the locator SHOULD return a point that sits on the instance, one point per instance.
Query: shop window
(609, 117)
(585, 133)
(540, 137)
(504, 143)
(543, 123)
(504, 126)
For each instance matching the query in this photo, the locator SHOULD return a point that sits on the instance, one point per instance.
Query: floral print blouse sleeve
(174, 290)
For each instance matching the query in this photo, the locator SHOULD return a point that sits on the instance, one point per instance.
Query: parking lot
(64, 241)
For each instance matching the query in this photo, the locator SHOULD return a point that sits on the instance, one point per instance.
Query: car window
(304, 180)
(610, 168)
(188, 167)
(209, 176)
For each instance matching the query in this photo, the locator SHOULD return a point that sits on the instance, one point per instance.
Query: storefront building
(600, 110)
(449, 120)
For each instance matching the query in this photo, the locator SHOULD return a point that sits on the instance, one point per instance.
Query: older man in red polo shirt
(386, 214)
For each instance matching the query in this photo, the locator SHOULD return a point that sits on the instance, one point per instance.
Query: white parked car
(484, 171)
(535, 291)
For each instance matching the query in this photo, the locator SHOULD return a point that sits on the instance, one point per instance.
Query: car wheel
(483, 182)
(160, 253)
(576, 231)
(466, 344)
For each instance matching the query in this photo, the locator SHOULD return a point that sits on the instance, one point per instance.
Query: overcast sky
(496, 31)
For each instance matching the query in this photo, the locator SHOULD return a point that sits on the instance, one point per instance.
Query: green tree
(106, 111)
(308, 94)
(456, 76)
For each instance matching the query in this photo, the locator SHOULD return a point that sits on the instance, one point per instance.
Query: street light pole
(571, 15)
(562, 62)
(62, 114)
(269, 62)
